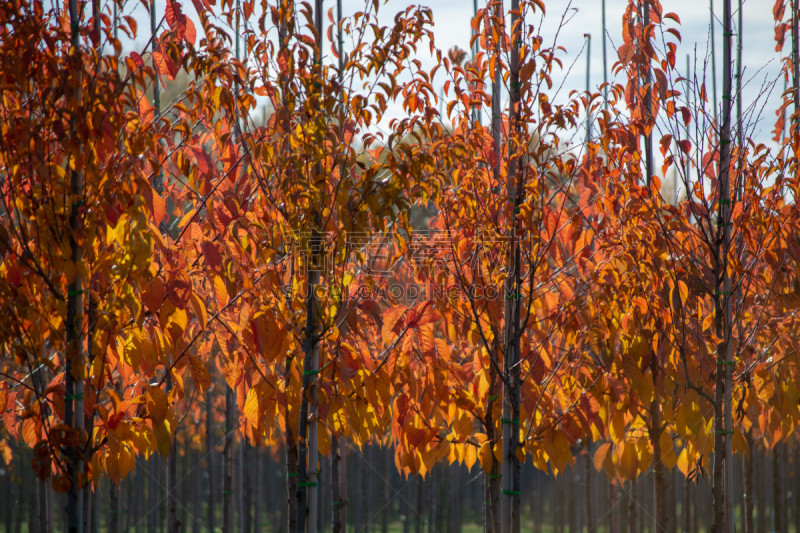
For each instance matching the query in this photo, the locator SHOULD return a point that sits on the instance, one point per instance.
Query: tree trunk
(661, 484)
(152, 505)
(198, 494)
(796, 509)
(433, 500)
(228, 462)
(113, 508)
(747, 478)
(587, 480)
(291, 479)
(795, 56)
(247, 488)
(173, 524)
(723, 424)
(258, 481)
(648, 105)
(614, 508)
(338, 505)
(688, 490)
(210, 451)
(387, 476)
(73, 404)
(633, 508)
(418, 521)
(777, 488)
(405, 507)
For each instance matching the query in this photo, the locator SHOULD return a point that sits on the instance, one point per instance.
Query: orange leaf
(200, 375)
(156, 403)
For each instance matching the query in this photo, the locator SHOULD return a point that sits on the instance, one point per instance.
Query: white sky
(452, 19)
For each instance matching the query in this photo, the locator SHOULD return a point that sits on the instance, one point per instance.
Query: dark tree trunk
(760, 491)
(258, 482)
(151, 507)
(420, 500)
(633, 509)
(43, 506)
(660, 480)
(173, 524)
(587, 480)
(291, 480)
(747, 479)
(337, 522)
(228, 462)
(247, 485)
(777, 488)
(387, 476)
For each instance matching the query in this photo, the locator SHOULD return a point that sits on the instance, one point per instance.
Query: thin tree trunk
(247, 486)
(95, 510)
(113, 508)
(688, 490)
(73, 404)
(494, 507)
(387, 476)
(43, 506)
(589, 464)
(258, 481)
(747, 478)
(198, 493)
(796, 56)
(796, 509)
(648, 105)
(228, 463)
(291, 479)
(418, 522)
(777, 487)
(758, 478)
(633, 509)
(337, 523)
(187, 490)
(405, 508)
(614, 508)
(173, 524)
(152, 504)
(723, 457)
(434, 500)
(211, 453)
(660, 485)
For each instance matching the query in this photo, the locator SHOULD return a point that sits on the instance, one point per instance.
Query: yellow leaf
(5, 451)
(485, 456)
(470, 456)
(628, 461)
(200, 375)
(156, 404)
(163, 437)
(221, 292)
(600, 456)
(740, 444)
(199, 309)
(668, 457)
(251, 407)
(520, 453)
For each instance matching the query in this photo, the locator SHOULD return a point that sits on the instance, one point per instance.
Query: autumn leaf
(156, 403)
(200, 375)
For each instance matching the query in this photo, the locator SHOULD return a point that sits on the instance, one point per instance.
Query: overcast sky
(761, 62)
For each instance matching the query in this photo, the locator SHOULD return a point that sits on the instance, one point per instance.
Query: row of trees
(490, 294)
(447, 500)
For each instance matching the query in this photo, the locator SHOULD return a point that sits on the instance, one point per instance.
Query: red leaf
(137, 59)
(179, 289)
(173, 15)
(211, 255)
(191, 33)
